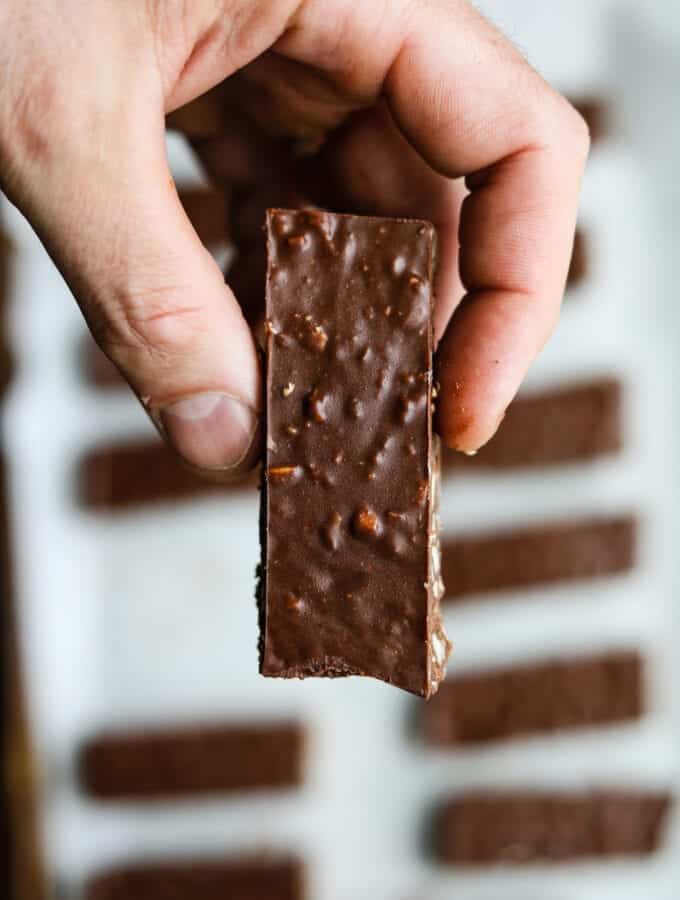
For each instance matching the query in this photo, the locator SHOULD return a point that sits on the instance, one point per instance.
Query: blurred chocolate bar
(578, 266)
(123, 476)
(538, 555)
(249, 878)
(482, 829)
(211, 759)
(550, 696)
(569, 424)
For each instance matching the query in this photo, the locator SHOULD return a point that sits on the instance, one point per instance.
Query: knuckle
(155, 323)
(574, 131)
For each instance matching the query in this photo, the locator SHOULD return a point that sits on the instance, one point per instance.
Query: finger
(152, 295)
(469, 103)
(517, 224)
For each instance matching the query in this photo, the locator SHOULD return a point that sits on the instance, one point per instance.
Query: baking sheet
(149, 616)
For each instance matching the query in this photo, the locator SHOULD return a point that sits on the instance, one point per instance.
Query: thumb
(153, 296)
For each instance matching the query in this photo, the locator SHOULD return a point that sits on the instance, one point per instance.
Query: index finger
(472, 106)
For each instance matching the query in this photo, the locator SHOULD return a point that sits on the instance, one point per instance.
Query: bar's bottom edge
(338, 668)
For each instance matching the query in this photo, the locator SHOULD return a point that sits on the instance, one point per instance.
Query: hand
(401, 99)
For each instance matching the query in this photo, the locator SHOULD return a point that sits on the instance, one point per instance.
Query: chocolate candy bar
(540, 554)
(530, 699)
(577, 423)
(133, 474)
(254, 878)
(578, 265)
(349, 581)
(518, 828)
(192, 760)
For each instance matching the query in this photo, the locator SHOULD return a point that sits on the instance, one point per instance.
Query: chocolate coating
(544, 697)
(350, 581)
(519, 828)
(192, 760)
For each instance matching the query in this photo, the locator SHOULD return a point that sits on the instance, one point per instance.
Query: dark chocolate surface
(519, 828)
(570, 424)
(192, 760)
(350, 576)
(250, 878)
(539, 554)
(532, 699)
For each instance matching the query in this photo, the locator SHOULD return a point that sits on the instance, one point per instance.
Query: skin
(413, 108)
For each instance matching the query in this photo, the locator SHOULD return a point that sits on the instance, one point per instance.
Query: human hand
(399, 100)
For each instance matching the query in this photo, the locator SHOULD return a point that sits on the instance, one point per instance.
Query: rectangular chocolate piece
(571, 424)
(538, 555)
(128, 475)
(349, 581)
(192, 760)
(520, 828)
(249, 878)
(544, 697)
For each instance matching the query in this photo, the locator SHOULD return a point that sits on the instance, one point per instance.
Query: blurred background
(143, 755)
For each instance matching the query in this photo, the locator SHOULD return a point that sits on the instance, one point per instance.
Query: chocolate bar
(538, 555)
(572, 424)
(519, 828)
(544, 697)
(349, 579)
(249, 878)
(192, 760)
(124, 476)
(578, 265)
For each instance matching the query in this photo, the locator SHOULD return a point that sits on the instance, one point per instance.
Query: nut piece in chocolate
(350, 579)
